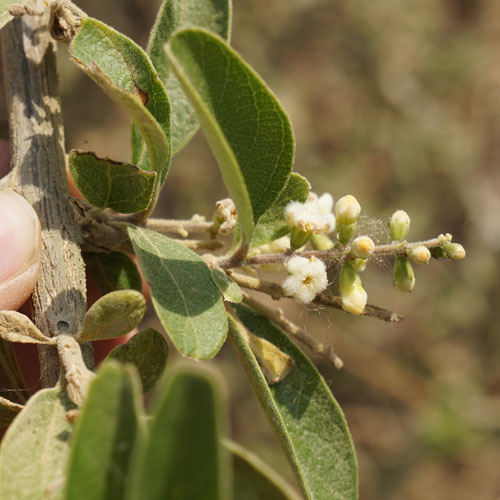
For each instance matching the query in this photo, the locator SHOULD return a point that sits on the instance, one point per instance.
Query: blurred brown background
(398, 103)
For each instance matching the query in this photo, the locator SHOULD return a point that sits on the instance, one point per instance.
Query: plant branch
(278, 317)
(335, 254)
(197, 224)
(275, 291)
(38, 160)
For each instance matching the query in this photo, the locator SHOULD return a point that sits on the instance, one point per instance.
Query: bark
(38, 162)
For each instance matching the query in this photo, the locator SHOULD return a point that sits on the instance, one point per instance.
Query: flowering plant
(85, 434)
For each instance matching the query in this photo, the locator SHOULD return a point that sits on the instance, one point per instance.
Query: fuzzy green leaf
(248, 131)
(254, 479)
(104, 436)
(306, 418)
(183, 458)
(113, 315)
(273, 225)
(5, 5)
(16, 327)
(184, 296)
(35, 449)
(124, 72)
(105, 183)
(227, 286)
(148, 352)
(113, 271)
(212, 15)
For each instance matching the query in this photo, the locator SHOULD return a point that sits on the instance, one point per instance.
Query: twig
(197, 224)
(37, 144)
(278, 317)
(276, 292)
(335, 254)
(334, 301)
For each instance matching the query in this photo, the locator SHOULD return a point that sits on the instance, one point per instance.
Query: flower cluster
(312, 217)
(307, 278)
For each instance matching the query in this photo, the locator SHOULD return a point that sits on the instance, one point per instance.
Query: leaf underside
(104, 436)
(306, 418)
(125, 73)
(147, 350)
(41, 428)
(183, 458)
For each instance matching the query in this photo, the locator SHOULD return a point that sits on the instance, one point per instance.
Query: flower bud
(321, 242)
(404, 277)
(362, 247)
(359, 265)
(347, 210)
(399, 225)
(225, 216)
(454, 251)
(345, 232)
(419, 254)
(299, 238)
(353, 295)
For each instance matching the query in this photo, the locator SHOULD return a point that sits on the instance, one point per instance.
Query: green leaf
(113, 271)
(16, 327)
(183, 458)
(248, 131)
(305, 416)
(254, 479)
(104, 436)
(273, 225)
(5, 5)
(109, 184)
(123, 70)
(148, 352)
(212, 15)
(113, 315)
(227, 286)
(34, 450)
(8, 411)
(184, 296)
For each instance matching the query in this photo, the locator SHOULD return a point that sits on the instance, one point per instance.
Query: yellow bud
(363, 247)
(419, 255)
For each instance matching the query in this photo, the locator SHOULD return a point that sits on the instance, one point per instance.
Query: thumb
(20, 249)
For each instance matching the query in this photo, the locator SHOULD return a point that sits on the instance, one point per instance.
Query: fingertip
(20, 249)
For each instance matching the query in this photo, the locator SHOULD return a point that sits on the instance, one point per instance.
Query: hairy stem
(38, 160)
(275, 291)
(335, 254)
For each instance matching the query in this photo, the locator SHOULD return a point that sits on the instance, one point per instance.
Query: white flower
(313, 216)
(347, 210)
(307, 278)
